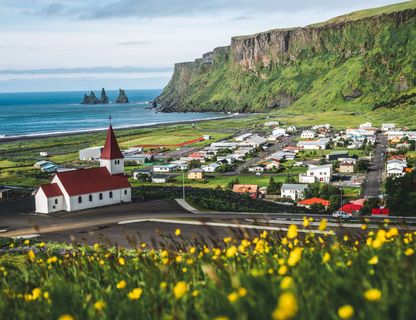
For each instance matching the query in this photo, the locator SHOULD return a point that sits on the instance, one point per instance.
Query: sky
(64, 45)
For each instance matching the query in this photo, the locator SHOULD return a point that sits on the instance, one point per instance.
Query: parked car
(341, 214)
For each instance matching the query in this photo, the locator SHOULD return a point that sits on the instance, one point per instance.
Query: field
(268, 276)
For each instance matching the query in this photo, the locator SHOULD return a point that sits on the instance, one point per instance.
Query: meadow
(293, 275)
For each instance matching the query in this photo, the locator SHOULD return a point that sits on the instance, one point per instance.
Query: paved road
(372, 184)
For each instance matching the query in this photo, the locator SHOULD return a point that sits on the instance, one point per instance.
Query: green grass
(258, 277)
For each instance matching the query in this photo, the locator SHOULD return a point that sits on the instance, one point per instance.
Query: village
(320, 168)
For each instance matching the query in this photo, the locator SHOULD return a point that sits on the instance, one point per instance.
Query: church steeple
(111, 156)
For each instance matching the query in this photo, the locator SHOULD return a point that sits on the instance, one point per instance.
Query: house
(196, 174)
(347, 165)
(163, 168)
(87, 188)
(279, 132)
(308, 202)
(256, 169)
(366, 125)
(161, 178)
(351, 208)
(90, 154)
(291, 129)
(396, 168)
(206, 137)
(377, 212)
(317, 173)
(274, 137)
(49, 167)
(137, 158)
(387, 126)
(320, 144)
(307, 134)
(293, 191)
(243, 137)
(335, 155)
(39, 164)
(250, 189)
(44, 154)
(255, 141)
(180, 164)
(271, 164)
(212, 167)
(139, 172)
(293, 149)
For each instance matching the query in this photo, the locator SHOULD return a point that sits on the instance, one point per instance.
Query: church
(88, 188)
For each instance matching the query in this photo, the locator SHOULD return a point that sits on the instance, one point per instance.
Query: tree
(369, 204)
(317, 208)
(194, 164)
(231, 184)
(362, 165)
(401, 194)
(334, 202)
(273, 187)
(313, 190)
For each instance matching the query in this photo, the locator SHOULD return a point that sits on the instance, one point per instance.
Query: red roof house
(380, 212)
(351, 208)
(311, 201)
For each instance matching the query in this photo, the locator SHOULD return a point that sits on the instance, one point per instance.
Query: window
(90, 197)
(125, 192)
(111, 194)
(101, 196)
(79, 199)
(56, 201)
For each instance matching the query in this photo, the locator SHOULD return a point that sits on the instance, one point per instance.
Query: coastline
(37, 136)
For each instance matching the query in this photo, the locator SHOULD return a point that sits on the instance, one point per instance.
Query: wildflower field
(294, 275)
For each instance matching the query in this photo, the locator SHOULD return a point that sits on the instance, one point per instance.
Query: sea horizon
(59, 112)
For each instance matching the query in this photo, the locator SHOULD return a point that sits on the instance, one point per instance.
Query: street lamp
(183, 184)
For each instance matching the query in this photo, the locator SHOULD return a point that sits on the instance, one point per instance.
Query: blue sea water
(37, 113)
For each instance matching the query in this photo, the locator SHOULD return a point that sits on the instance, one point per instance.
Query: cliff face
(339, 64)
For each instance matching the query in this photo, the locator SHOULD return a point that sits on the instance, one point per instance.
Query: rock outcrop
(327, 66)
(92, 99)
(122, 97)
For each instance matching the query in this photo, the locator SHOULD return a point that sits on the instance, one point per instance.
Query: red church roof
(51, 190)
(92, 180)
(111, 149)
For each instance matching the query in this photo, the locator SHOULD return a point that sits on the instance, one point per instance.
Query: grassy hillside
(357, 63)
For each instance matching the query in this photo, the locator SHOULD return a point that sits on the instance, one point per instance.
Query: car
(341, 214)
(345, 215)
(336, 214)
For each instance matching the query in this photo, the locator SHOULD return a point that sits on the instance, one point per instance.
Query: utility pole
(341, 197)
(183, 184)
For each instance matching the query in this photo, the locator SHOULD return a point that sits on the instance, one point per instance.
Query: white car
(341, 214)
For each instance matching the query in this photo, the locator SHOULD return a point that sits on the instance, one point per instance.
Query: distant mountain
(361, 61)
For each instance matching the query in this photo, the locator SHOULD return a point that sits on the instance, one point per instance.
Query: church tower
(111, 156)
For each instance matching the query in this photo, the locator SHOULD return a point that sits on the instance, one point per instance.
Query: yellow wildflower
(292, 231)
(286, 283)
(287, 307)
(99, 305)
(135, 294)
(323, 224)
(326, 257)
(233, 297)
(36, 293)
(121, 285)
(372, 295)
(294, 257)
(96, 246)
(26, 242)
(282, 270)
(178, 259)
(178, 232)
(242, 292)
(66, 317)
(409, 251)
(346, 312)
(121, 261)
(192, 250)
(231, 252)
(180, 289)
(31, 255)
(227, 239)
(195, 293)
(373, 260)
(363, 227)
(163, 285)
(305, 222)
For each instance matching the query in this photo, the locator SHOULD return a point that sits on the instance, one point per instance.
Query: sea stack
(104, 97)
(122, 97)
(90, 99)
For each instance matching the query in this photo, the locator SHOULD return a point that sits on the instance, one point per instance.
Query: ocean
(37, 113)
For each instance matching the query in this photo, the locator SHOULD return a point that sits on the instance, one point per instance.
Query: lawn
(264, 276)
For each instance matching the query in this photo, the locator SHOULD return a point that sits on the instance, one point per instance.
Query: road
(129, 224)
(372, 184)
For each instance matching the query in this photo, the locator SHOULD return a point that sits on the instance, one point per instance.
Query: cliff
(363, 60)
(122, 97)
(92, 99)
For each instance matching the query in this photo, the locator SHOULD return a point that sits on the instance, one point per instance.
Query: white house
(243, 137)
(317, 174)
(212, 167)
(293, 190)
(161, 178)
(307, 134)
(162, 168)
(254, 141)
(320, 144)
(395, 168)
(387, 126)
(90, 154)
(279, 132)
(256, 169)
(87, 188)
